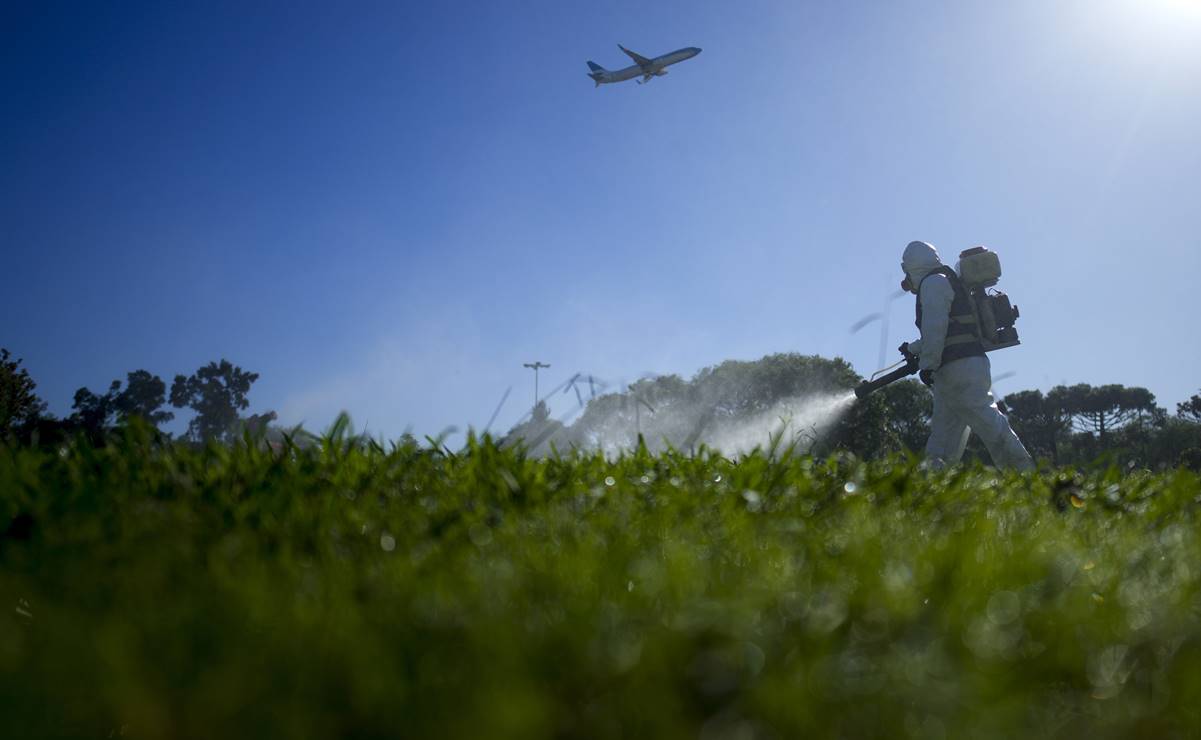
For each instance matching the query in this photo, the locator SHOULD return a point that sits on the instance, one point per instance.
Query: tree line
(1069, 425)
(1076, 424)
(216, 393)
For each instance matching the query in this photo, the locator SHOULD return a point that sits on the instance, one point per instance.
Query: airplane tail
(597, 73)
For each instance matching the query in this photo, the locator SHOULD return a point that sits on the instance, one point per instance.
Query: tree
(663, 409)
(1191, 459)
(94, 413)
(742, 388)
(733, 406)
(258, 424)
(538, 433)
(910, 407)
(143, 396)
(20, 407)
(1040, 422)
(865, 429)
(1155, 444)
(1101, 409)
(216, 392)
(1190, 409)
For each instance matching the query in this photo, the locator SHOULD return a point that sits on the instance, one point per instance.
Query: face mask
(906, 284)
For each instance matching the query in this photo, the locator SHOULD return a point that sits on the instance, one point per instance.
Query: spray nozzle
(903, 369)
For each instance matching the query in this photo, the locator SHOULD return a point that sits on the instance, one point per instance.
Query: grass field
(351, 591)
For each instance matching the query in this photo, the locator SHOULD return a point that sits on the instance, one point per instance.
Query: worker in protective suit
(952, 362)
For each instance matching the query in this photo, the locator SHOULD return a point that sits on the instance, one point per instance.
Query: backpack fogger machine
(978, 271)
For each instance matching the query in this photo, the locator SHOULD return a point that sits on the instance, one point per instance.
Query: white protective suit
(963, 400)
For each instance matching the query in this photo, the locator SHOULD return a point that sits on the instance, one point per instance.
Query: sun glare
(1172, 26)
(1169, 10)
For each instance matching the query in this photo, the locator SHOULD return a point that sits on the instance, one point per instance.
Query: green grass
(349, 591)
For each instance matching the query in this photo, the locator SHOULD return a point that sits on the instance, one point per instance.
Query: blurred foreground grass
(348, 591)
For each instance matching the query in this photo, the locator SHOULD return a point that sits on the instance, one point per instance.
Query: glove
(905, 352)
(927, 377)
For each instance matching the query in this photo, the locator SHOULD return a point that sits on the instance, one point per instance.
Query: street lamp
(535, 366)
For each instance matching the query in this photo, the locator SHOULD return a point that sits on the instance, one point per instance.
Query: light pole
(535, 366)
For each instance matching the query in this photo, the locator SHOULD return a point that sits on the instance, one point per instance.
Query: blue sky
(389, 208)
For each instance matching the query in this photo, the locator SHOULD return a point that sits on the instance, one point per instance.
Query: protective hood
(920, 259)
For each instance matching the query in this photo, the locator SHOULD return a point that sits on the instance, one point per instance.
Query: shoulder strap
(950, 275)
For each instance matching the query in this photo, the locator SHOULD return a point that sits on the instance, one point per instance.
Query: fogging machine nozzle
(868, 387)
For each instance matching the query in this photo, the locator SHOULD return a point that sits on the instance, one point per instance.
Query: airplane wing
(640, 60)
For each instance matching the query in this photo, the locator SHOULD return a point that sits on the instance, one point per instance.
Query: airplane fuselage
(656, 67)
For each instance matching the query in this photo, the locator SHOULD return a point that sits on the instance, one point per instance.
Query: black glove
(927, 377)
(904, 350)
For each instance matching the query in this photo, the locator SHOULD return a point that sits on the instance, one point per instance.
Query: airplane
(647, 68)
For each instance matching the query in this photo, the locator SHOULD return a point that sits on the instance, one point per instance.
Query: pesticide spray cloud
(784, 401)
(794, 422)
